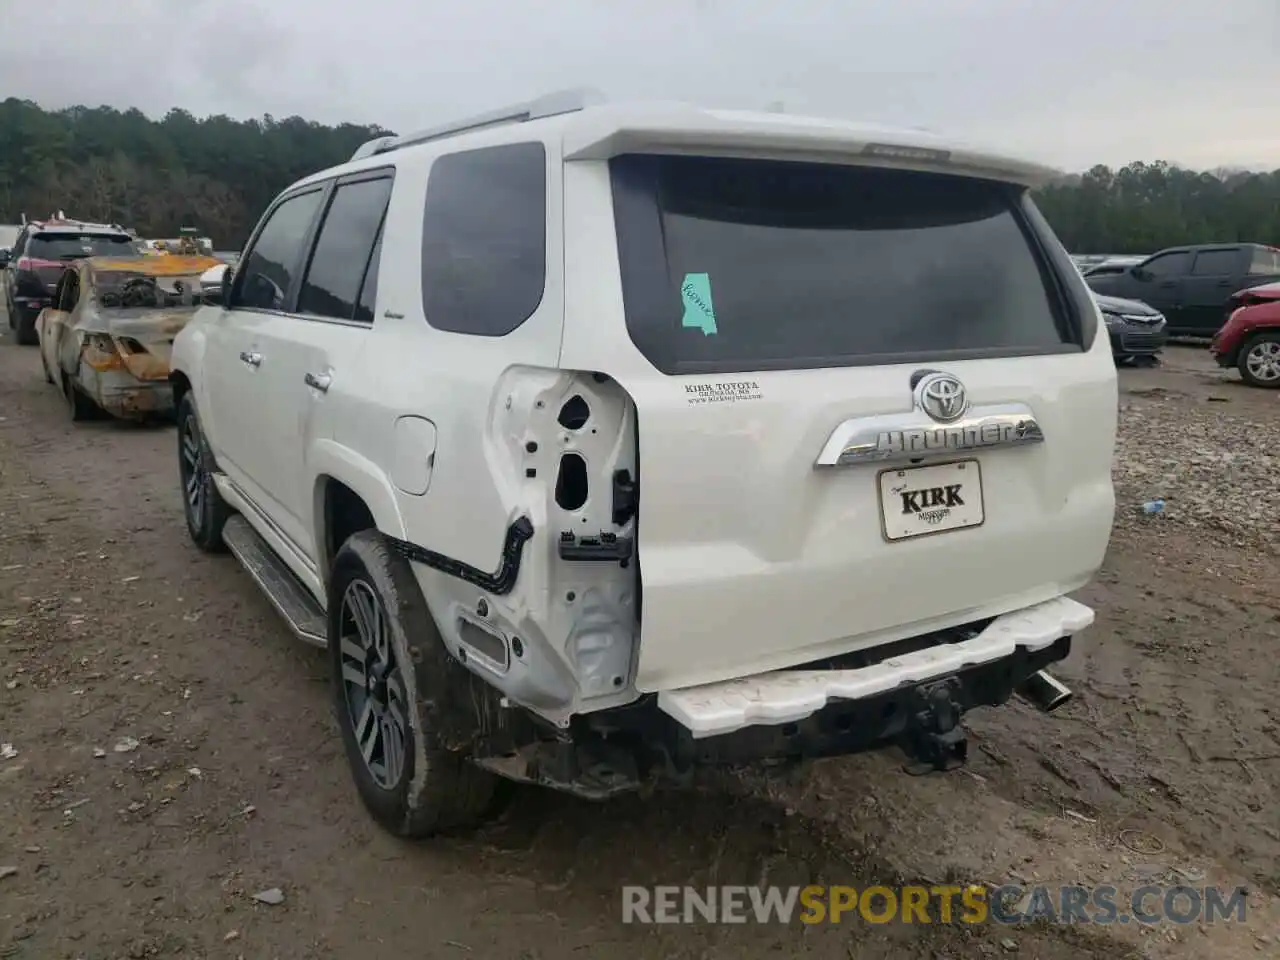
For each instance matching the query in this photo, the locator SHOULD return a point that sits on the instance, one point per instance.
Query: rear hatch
(871, 402)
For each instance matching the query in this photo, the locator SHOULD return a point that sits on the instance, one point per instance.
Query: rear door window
(1216, 263)
(732, 264)
(343, 249)
(73, 246)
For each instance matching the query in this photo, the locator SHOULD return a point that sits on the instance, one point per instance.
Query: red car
(1250, 339)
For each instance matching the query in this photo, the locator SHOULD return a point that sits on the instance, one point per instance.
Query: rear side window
(484, 239)
(73, 246)
(344, 249)
(1216, 263)
(1266, 261)
(269, 270)
(731, 264)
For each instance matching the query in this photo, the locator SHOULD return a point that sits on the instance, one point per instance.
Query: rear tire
(1259, 362)
(202, 505)
(80, 406)
(390, 677)
(26, 332)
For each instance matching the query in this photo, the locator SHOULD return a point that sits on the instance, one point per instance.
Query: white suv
(598, 442)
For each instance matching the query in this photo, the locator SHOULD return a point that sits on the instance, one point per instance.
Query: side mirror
(224, 291)
(1139, 273)
(5, 255)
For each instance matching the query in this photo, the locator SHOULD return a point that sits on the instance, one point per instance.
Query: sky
(1071, 83)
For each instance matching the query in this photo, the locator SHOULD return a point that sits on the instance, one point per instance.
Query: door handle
(319, 381)
(252, 359)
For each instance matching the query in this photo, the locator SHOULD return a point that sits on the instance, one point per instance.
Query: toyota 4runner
(601, 442)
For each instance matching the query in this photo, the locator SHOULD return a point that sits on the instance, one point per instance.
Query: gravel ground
(1206, 444)
(173, 753)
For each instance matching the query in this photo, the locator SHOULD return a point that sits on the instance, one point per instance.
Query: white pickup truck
(599, 442)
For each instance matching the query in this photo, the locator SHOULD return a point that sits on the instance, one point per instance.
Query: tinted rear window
(749, 264)
(73, 246)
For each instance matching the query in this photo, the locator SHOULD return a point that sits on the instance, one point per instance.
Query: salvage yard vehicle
(1250, 339)
(40, 255)
(1191, 285)
(105, 339)
(598, 443)
(1137, 331)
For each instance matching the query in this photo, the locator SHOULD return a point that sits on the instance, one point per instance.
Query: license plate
(917, 501)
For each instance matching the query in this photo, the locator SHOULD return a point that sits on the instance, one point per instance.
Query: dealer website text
(1010, 904)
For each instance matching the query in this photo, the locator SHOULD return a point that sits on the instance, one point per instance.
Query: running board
(286, 593)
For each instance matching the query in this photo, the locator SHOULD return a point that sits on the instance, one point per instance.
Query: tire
(26, 332)
(202, 506)
(386, 692)
(1259, 360)
(80, 406)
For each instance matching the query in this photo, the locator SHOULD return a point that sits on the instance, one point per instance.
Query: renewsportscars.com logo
(1009, 904)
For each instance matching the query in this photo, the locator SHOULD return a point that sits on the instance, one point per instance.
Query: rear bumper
(27, 309)
(787, 696)
(910, 694)
(122, 395)
(1225, 352)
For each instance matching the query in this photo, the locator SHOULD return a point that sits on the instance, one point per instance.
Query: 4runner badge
(941, 422)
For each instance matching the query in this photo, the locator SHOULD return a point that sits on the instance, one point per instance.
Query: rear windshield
(73, 246)
(133, 291)
(731, 264)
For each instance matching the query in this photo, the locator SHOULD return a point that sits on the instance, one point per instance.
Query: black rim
(373, 687)
(193, 479)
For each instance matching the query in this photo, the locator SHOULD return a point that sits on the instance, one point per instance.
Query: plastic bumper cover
(786, 696)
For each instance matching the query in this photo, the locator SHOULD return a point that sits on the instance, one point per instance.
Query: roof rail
(549, 105)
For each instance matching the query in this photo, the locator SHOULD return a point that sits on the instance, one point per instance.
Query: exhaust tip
(1044, 691)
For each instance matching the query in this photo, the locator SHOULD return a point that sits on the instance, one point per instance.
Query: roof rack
(549, 105)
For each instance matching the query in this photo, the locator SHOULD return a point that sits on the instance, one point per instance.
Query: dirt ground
(173, 751)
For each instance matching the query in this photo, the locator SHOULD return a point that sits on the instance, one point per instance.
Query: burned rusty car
(105, 339)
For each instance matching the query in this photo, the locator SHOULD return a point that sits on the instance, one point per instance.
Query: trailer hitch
(934, 738)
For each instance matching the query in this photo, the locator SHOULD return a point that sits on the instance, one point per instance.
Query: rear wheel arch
(341, 512)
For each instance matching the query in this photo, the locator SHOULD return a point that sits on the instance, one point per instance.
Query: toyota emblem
(942, 397)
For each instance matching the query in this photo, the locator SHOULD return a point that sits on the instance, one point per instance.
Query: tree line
(218, 174)
(156, 176)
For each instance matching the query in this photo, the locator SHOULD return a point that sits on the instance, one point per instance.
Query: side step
(286, 593)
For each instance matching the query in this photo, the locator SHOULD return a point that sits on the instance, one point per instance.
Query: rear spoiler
(681, 128)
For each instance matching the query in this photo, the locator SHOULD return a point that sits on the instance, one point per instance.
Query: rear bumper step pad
(785, 696)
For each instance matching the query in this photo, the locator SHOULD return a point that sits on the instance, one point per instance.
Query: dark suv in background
(1191, 286)
(40, 254)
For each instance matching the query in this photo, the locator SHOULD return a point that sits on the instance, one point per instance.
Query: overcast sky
(1072, 82)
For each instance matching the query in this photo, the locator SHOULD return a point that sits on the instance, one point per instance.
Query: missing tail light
(100, 352)
(130, 345)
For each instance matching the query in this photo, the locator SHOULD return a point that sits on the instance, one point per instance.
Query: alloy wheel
(374, 691)
(1263, 361)
(194, 478)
